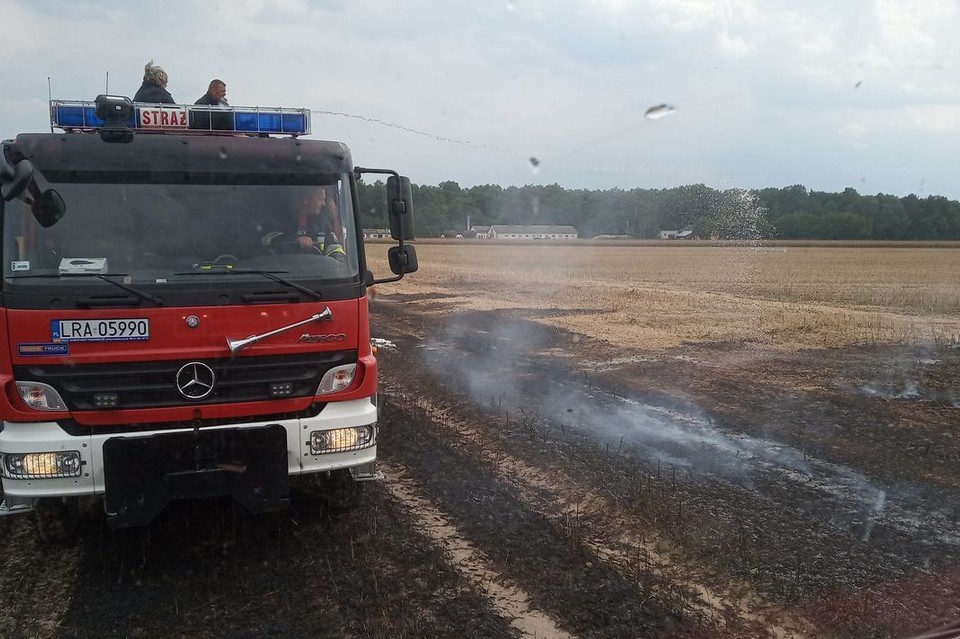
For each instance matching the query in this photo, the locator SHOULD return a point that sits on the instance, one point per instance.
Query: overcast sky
(855, 93)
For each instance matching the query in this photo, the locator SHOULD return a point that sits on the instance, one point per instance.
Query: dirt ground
(543, 483)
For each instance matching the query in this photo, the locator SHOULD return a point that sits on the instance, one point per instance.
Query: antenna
(106, 87)
(50, 99)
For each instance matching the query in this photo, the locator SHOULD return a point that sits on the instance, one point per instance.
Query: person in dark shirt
(216, 94)
(314, 227)
(209, 119)
(154, 87)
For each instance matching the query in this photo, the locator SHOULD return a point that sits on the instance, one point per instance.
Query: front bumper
(107, 458)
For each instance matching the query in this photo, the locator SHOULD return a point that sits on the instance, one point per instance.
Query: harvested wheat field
(589, 441)
(759, 440)
(786, 298)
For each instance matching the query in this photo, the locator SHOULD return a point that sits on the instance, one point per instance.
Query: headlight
(339, 440)
(65, 463)
(337, 379)
(40, 396)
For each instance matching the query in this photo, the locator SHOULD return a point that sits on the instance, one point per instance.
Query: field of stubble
(807, 396)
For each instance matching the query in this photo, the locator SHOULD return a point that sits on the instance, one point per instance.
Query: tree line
(793, 212)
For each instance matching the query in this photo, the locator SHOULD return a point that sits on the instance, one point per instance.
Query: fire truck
(178, 321)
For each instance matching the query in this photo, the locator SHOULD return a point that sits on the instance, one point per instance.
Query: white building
(685, 234)
(482, 232)
(532, 232)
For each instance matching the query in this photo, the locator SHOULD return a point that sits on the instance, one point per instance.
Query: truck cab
(183, 310)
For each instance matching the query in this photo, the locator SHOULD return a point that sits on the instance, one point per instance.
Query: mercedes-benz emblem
(193, 321)
(195, 380)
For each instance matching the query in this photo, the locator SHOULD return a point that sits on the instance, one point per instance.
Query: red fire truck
(184, 311)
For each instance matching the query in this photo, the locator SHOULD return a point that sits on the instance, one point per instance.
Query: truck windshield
(161, 234)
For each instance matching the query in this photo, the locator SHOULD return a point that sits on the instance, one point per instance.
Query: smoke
(683, 437)
(499, 362)
(495, 366)
(905, 378)
(877, 513)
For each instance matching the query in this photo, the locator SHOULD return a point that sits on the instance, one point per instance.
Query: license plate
(100, 330)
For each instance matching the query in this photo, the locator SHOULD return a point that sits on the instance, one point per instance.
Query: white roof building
(532, 232)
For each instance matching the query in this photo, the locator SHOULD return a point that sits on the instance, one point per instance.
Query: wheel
(55, 520)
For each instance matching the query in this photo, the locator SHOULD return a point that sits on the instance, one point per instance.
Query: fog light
(339, 440)
(41, 465)
(337, 379)
(40, 396)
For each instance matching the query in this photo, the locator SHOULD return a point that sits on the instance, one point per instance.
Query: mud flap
(142, 474)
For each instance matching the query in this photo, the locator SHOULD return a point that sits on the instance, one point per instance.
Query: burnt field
(586, 453)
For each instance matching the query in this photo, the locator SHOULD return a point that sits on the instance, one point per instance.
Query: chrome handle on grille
(236, 344)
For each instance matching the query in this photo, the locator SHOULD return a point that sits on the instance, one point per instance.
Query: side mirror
(402, 259)
(48, 208)
(14, 179)
(400, 198)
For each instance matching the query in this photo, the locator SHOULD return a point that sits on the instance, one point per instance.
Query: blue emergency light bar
(76, 115)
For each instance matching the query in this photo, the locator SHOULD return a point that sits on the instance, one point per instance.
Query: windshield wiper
(270, 275)
(153, 299)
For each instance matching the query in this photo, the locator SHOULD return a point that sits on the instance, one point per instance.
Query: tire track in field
(511, 602)
(619, 540)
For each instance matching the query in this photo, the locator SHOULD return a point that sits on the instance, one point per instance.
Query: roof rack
(79, 115)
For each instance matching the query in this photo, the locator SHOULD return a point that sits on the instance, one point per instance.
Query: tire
(55, 520)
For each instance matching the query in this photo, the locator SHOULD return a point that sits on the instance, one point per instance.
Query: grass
(787, 297)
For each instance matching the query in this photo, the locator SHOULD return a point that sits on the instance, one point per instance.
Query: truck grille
(154, 384)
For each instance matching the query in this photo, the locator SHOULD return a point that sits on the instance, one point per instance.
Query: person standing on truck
(216, 94)
(154, 87)
(314, 226)
(214, 97)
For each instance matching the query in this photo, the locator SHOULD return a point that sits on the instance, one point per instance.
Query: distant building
(482, 232)
(376, 234)
(531, 232)
(683, 234)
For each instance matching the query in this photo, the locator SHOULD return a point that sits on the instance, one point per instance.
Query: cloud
(939, 118)
(567, 80)
(854, 132)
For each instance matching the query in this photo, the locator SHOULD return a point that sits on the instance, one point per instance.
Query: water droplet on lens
(659, 111)
(511, 5)
(223, 153)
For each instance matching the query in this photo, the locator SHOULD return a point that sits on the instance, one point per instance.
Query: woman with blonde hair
(154, 87)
